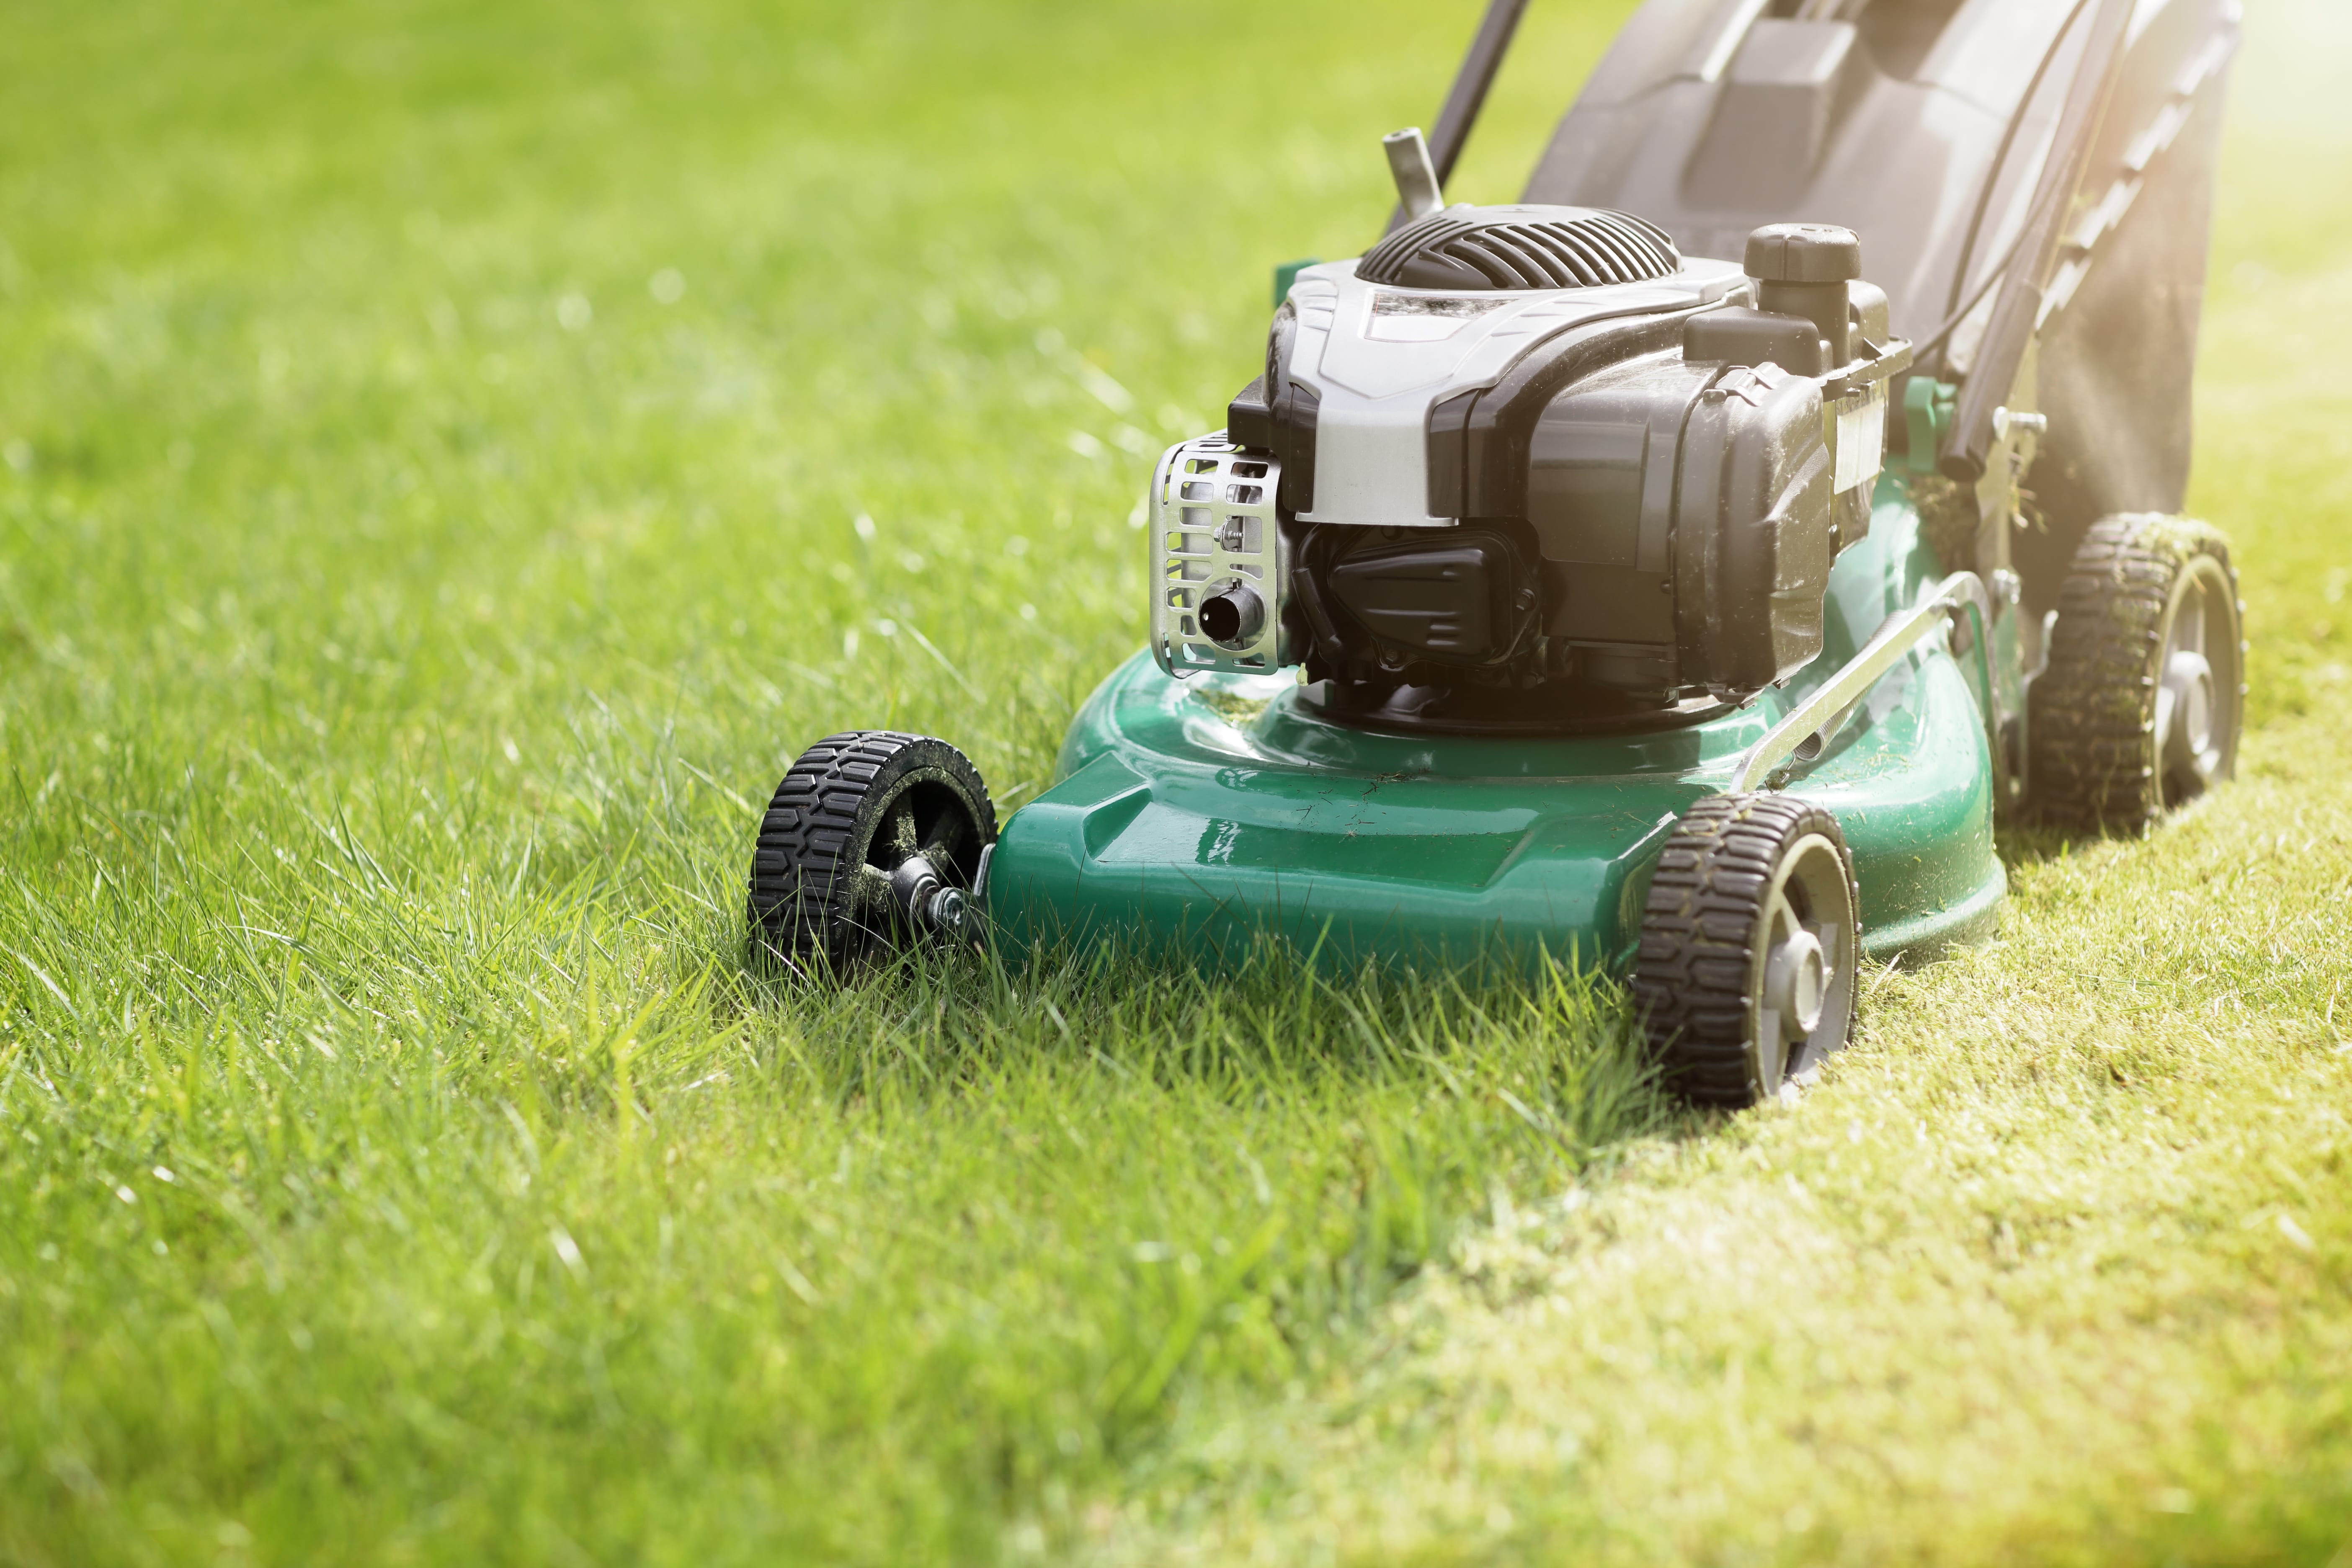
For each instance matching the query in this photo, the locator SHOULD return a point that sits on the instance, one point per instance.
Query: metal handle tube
(1888, 647)
(1488, 46)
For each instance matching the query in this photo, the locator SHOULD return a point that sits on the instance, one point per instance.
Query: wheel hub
(927, 902)
(2195, 718)
(1807, 941)
(913, 886)
(2185, 709)
(1796, 983)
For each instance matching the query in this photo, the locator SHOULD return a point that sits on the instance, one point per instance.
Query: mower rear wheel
(872, 837)
(1750, 939)
(2139, 707)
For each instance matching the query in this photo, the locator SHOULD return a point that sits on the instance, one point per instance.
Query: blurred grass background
(435, 444)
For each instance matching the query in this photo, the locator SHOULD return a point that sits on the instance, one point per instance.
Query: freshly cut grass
(452, 456)
(2051, 1267)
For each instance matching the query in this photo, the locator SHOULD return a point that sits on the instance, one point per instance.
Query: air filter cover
(1466, 249)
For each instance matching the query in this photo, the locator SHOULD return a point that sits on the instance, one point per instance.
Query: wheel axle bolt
(951, 912)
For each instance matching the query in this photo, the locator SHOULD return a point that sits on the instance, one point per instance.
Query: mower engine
(1531, 462)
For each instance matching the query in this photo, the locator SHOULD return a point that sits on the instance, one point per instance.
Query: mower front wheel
(872, 837)
(1750, 939)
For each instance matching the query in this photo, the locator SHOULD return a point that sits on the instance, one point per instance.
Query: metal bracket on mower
(1808, 726)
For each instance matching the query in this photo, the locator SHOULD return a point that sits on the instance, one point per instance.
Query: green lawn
(436, 439)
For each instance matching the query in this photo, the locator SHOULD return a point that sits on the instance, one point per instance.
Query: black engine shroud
(1648, 510)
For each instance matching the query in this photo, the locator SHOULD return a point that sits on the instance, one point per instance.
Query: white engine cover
(1376, 357)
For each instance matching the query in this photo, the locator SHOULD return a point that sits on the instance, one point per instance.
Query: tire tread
(1699, 927)
(2092, 712)
(799, 901)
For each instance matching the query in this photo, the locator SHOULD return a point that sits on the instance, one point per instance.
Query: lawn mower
(1563, 592)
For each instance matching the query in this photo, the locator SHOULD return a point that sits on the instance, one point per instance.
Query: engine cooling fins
(1473, 249)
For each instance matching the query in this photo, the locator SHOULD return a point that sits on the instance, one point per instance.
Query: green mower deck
(1193, 814)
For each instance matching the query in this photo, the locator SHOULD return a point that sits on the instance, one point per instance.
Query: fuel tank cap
(1804, 253)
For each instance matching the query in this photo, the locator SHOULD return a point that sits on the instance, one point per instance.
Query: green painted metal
(1191, 815)
(1926, 419)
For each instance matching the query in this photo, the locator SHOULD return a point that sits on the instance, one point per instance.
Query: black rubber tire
(2099, 758)
(851, 809)
(1699, 978)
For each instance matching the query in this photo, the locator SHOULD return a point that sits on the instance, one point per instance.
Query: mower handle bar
(2017, 308)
